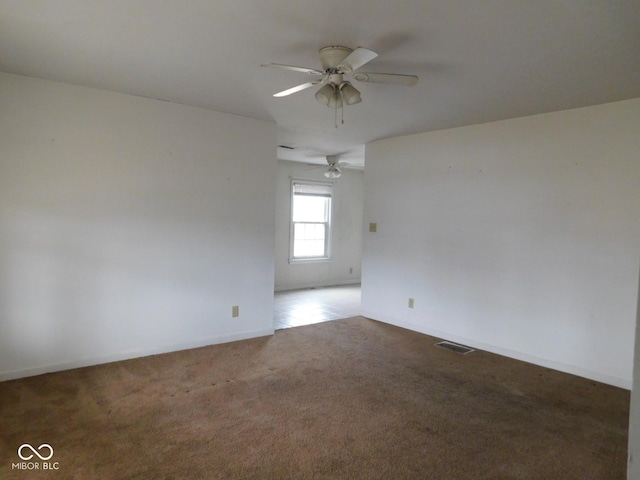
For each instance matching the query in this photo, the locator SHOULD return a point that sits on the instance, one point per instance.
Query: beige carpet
(349, 399)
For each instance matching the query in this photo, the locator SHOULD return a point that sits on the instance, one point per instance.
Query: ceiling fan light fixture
(325, 94)
(333, 172)
(336, 100)
(350, 94)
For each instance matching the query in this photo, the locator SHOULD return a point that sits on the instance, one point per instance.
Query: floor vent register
(454, 347)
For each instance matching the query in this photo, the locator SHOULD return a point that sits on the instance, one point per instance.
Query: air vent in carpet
(454, 347)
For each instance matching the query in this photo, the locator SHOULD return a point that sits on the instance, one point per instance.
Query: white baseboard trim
(505, 352)
(87, 362)
(300, 286)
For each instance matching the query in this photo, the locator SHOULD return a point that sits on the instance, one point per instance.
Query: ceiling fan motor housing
(331, 57)
(332, 159)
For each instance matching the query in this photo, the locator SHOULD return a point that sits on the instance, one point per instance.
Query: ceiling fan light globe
(350, 94)
(333, 173)
(325, 94)
(336, 100)
(354, 101)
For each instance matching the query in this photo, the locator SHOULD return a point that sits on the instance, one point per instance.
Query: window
(310, 220)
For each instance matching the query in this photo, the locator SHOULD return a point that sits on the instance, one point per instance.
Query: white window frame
(327, 238)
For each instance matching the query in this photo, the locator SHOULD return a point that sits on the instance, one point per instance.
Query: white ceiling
(478, 60)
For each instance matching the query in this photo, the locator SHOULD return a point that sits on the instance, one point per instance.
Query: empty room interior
(176, 176)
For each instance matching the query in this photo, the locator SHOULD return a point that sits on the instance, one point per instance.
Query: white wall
(521, 237)
(128, 226)
(346, 225)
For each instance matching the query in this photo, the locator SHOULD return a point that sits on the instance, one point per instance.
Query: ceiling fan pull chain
(335, 117)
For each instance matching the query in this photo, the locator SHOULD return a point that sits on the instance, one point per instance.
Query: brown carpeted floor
(349, 399)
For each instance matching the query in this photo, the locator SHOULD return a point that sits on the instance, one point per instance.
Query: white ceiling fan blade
(356, 59)
(310, 71)
(387, 78)
(297, 88)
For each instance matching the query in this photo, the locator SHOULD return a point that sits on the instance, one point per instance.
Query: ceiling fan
(338, 62)
(333, 170)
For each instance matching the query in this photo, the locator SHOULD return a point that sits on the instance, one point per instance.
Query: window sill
(310, 260)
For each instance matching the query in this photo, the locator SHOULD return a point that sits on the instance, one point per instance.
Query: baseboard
(505, 352)
(300, 286)
(87, 362)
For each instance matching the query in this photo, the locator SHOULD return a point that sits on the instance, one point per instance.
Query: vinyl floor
(295, 308)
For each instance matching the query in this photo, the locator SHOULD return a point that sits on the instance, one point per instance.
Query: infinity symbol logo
(35, 452)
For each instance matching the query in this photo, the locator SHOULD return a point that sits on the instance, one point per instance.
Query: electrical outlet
(235, 311)
(350, 269)
(411, 303)
(373, 227)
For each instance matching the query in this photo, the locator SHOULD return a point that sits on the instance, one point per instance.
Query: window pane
(309, 239)
(308, 248)
(310, 209)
